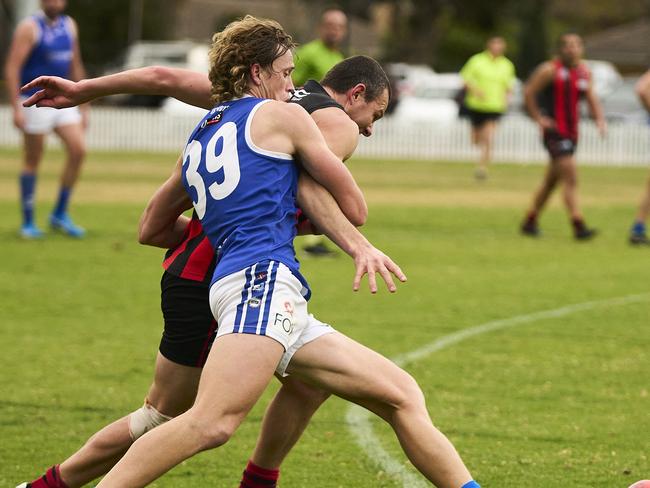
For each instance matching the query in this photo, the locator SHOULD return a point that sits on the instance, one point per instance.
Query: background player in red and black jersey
(552, 95)
(347, 104)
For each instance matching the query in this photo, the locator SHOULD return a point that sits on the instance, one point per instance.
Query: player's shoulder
(313, 97)
(583, 68)
(336, 117)
(71, 23)
(282, 113)
(547, 68)
(29, 25)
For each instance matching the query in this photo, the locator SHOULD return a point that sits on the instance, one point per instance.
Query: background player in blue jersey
(638, 234)
(175, 382)
(46, 44)
(261, 308)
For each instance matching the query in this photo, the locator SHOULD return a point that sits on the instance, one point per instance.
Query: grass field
(555, 401)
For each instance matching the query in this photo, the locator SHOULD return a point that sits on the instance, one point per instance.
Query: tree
(104, 27)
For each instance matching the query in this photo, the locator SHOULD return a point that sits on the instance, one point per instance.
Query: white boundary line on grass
(358, 419)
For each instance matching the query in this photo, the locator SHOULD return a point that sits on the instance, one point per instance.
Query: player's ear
(256, 74)
(357, 92)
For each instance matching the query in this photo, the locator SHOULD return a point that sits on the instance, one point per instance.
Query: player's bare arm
(185, 85)
(324, 165)
(77, 69)
(319, 205)
(339, 130)
(23, 41)
(162, 223)
(596, 108)
(541, 77)
(643, 90)
(287, 128)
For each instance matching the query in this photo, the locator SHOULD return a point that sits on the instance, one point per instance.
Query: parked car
(424, 95)
(623, 105)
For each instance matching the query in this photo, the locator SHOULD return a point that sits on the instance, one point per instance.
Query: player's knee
(77, 153)
(315, 398)
(212, 433)
(570, 181)
(409, 396)
(308, 396)
(144, 419)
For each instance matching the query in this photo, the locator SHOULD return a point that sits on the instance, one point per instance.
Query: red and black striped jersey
(194, 258)
(559, 100)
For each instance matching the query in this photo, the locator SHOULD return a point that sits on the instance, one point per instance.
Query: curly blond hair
(235, 49)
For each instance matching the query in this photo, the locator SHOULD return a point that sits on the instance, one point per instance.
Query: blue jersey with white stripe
(245, 196)
(52, 53)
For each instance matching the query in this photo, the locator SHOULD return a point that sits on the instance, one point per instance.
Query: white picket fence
(517, 138)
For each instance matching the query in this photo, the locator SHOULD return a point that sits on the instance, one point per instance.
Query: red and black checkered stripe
(194, 259)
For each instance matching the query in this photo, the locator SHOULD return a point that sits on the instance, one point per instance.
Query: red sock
(578, 224)
(531, 218)
(255, 476)
(51, 479)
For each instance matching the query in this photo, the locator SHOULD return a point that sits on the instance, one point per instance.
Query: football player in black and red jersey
(552, 94)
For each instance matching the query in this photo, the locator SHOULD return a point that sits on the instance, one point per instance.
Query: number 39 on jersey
(220, 153)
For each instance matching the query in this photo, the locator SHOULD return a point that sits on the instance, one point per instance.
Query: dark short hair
(564, 35)
(330, 8)
(355, 70)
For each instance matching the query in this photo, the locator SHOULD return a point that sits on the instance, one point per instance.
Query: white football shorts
(42, 120)
(266, 299)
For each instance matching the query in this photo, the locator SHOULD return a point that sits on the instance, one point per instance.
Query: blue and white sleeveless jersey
(244, 196)
(52, 53)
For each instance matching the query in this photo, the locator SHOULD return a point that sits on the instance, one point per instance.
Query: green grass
(555, 403)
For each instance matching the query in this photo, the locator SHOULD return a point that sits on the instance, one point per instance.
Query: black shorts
(479, 118)
(557, 145)
(190, 327)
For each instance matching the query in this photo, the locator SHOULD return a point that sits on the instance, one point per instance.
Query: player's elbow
(146, 238)
(360, 218)
(357, 212)
(161, 77)
(146, 234)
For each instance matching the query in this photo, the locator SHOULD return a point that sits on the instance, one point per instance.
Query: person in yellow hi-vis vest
(489, 77)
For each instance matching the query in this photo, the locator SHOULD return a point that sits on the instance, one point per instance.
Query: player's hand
(19, 119)
(53, 92)
(601, 124)
(546, 123)
(371, 261)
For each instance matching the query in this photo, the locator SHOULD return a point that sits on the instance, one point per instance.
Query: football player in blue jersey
(638, 233)
(46, 44)
(354, 371)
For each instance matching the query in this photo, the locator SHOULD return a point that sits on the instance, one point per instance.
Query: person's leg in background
(33, 145)
(638, 231)
(72, 136)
